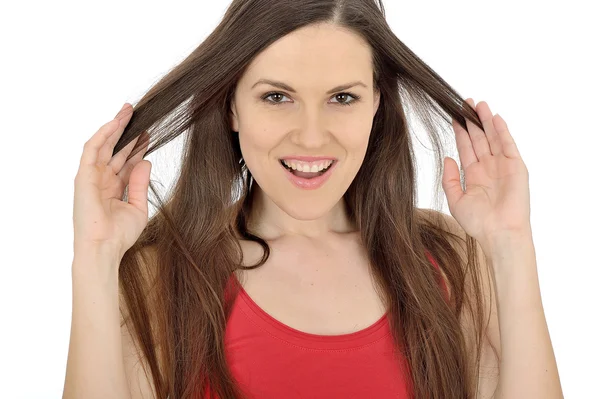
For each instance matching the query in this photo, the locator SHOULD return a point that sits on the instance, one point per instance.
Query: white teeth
(307, 167)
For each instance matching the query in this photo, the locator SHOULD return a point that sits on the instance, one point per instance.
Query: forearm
(95, 361)
(528, 367)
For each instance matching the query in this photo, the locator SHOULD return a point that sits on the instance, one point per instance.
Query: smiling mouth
(306, 174)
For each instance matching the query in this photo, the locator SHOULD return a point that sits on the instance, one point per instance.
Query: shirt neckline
(276, 328)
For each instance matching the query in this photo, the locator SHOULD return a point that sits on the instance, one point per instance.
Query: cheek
(355, 138)
(257, 133)
(257, 147)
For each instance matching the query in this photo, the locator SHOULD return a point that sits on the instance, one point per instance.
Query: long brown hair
(174, 279)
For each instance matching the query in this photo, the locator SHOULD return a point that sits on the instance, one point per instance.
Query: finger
(485, 115)
(451, 182)
(137, 192)
(91, 148)
(118, 160)
(124, 115)
(480, 142)
(509, 147)
(466, 153)
(125, 171)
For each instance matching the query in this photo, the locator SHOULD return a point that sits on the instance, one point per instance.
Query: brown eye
(345, 95)
(354, 97)
(272, 95)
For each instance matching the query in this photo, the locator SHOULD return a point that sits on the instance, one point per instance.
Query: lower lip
(309, 184)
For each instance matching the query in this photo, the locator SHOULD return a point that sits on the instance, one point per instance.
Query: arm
(95, 361)
(491, 347)
(494, 208)
(528, 368)
(517, 327)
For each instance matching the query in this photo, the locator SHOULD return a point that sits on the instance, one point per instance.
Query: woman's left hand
(496, 197)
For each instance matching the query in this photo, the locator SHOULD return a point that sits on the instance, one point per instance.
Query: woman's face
(307, 118)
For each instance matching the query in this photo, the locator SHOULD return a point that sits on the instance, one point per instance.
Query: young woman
(290, 260)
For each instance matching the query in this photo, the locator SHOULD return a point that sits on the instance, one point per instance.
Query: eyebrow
(285, 86)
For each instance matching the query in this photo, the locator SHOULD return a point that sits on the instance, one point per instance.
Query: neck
(269, 221)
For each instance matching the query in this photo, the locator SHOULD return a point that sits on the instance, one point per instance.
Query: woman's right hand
(100, 216)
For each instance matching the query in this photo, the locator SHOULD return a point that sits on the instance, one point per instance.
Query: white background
(67, 68)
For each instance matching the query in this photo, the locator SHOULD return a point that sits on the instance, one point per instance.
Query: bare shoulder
(141, 383)
(490, 345)
(441, 220)
(448, 224)
(148, 272)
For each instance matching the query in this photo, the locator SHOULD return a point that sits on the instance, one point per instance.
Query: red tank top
(271, 360)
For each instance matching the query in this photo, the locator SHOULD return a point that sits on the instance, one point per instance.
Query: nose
(312, 131)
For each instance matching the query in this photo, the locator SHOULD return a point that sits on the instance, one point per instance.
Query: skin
(494, 208)
(317, 277)
(317, 280)
(309, 122)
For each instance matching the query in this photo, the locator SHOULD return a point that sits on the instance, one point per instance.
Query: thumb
(139, 180)
(451, 182)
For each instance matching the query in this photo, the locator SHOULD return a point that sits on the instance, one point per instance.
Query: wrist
(511, 247)
(516, 237)
(98, 248)
(89, 254)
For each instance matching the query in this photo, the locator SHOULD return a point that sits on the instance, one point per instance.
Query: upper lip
(308, 159)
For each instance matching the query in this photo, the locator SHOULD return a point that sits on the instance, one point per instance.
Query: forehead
(313, 57)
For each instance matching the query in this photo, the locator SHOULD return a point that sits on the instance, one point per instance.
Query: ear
(376, 101)
(233, 118)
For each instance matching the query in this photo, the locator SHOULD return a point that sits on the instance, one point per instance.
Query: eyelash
(264, 98)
